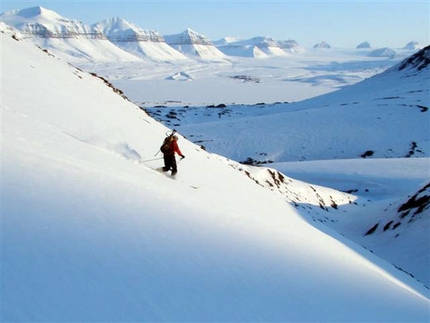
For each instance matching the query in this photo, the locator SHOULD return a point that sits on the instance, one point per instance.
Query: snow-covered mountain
(142, 43)
(91, 232)
(364, 45)
(188, 37)
(413, 45)
(322, 44)
(44, 23)
(290, 46)
(258, 47)
(383, 52)
(119, 30)
(236, 47)
(64, 37)
(193, 44)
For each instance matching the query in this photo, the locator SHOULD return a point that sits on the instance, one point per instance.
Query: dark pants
(170, 163)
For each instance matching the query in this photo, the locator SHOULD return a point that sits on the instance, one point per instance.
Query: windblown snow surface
(91, 232)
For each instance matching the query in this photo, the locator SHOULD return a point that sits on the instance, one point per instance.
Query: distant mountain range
(117, 39)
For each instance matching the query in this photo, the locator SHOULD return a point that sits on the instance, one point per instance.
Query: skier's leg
(174, 166)
(167, 163)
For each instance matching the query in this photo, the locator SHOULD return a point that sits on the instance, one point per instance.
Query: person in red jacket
(169, 156)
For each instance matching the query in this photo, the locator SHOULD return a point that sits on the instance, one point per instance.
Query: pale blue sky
(341, 23)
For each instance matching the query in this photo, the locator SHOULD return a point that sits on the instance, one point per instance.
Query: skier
(169, 156)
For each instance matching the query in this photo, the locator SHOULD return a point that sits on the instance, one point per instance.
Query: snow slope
(384, 117)
(392, 214)
(89, 233)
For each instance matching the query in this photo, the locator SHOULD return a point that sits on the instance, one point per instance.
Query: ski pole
(180, 160)
(148, 160)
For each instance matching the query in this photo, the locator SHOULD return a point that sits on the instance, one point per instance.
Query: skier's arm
(176, 149)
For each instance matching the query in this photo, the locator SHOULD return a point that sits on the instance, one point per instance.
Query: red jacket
(174, 148)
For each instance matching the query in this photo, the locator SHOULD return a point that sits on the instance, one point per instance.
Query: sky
(341, 23)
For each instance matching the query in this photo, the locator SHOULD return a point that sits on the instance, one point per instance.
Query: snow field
(91, 234)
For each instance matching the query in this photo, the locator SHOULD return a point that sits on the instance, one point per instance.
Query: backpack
(165, 147)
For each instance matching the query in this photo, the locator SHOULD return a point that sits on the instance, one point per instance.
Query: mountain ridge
(118, 29)
(46, 23)
(41, 22)
(140, 42)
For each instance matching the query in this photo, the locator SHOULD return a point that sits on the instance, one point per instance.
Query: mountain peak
(383, 52)
(44, 23)
(419, 60)
(30, 12)
(119, 29)
(364, 45)
(322, 44)
(34, 13)
(119, 22)
(188, 37)
(413, 45)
